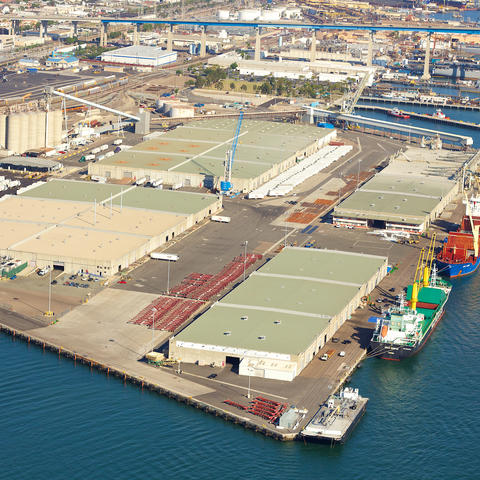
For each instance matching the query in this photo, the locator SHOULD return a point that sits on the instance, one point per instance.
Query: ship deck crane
(226, 185)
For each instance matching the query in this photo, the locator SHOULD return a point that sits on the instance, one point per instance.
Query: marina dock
(423, 116)
(459, 106)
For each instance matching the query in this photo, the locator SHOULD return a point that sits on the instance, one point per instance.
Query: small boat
(395, 112)
(440, 115)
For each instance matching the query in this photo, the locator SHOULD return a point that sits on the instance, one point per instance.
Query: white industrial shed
(140, 55)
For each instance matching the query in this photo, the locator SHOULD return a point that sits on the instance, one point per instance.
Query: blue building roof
(62, 59)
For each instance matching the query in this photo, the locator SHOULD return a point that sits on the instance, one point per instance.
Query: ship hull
(319, 438)
(391, 351)
(454, 270)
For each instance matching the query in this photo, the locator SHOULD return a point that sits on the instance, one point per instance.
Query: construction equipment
(226, 185)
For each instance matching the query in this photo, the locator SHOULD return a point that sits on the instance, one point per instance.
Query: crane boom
(226, 185)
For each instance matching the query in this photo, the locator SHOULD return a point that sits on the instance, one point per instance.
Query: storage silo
(223, 14)
(31, 138)
(40, 131)
(54, 128)
(13, 133)
(3, 131)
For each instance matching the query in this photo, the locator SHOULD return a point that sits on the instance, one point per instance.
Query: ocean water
(61, 420)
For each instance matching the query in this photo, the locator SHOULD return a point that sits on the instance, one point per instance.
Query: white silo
(40, 130)
(223, 14)
(13, 133)
(270, 15)
(3, 131)
(249, 14)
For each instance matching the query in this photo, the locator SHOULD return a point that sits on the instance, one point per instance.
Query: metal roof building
(408, 194)
(83, 226)
(30, 164)
(274, 323)
(194, 154)
(140, 55)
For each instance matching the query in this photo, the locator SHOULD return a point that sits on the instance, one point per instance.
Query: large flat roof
(200, 148)
(407, 190)
(135, 197)
(300, 288)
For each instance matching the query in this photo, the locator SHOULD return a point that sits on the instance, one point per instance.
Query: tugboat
(406, 328)
(395, 112)
(460, 251)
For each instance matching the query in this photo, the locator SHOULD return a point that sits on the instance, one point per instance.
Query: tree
(219, 85)
(243, 88)
(234, 66)
(232, 85)
(178, 72)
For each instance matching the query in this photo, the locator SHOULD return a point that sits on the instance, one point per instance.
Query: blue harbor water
(61, 420)
(453, 113)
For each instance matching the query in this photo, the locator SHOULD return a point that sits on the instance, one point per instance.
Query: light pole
(168, 277)
(50, 292)
(245, 259)
(358, 174)
(154, 311)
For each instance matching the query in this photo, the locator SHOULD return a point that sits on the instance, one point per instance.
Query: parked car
(341, 354)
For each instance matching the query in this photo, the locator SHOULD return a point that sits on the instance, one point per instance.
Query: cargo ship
(459, 254)
(405, 328)
(336, 418)
(395, 112)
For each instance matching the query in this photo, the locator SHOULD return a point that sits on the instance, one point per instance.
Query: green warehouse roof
(135, 197)
(288, 301)
(200, 147)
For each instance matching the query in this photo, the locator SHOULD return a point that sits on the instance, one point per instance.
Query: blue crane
(226, 185)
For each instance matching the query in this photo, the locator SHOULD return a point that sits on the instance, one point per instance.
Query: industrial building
(20, 132)
(80, 226)
(194, 154)
(140, 55)
(408, 194)
(29, 164)
(273, 324)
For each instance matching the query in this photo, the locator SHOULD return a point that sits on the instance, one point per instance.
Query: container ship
(459, 253)
(405, 329)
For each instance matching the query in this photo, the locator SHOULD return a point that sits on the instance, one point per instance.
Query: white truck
(140, 181)
(118, 141)
(95, 150)
(89, 157)
(220, 218)
(103, 147)
(171, 257)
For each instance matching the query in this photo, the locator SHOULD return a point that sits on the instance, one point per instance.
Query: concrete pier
(257, 44)
(426, 66)
(313, 46)
(371, 36)
(203, 42)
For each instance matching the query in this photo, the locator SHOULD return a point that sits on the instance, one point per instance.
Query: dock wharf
(422, 116)
(459, 106)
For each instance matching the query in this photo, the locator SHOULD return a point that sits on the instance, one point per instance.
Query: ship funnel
(414, 299)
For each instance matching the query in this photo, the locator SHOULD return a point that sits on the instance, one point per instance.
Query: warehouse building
(30, 164)
(140, 55)
(194, 154)
(97, 228)
(273, 324)
(409, 194)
